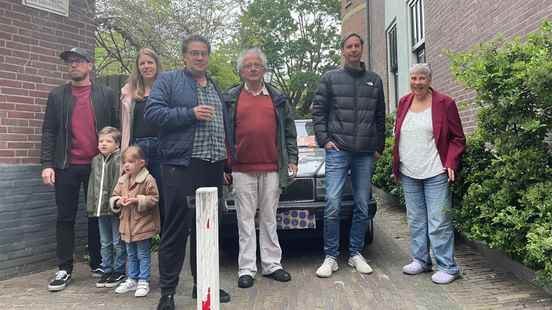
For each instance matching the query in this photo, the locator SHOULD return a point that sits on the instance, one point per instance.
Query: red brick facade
(454, 26)
(458, 25)
(30, 42)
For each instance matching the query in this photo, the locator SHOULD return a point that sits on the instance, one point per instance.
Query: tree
(125, 26)
(300, 39)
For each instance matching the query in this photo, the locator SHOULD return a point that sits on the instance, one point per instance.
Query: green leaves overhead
(300, 39)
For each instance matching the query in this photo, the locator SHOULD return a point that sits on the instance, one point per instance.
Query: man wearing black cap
(348, 112)
(75, 112)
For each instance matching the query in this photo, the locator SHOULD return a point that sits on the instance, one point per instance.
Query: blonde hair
(134, 152)
(136, 80)
(111, 131)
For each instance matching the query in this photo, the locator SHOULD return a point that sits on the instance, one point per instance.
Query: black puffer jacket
(349, 110)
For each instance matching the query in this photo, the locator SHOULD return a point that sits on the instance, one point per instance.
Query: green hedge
(383, 171)
(504, 191)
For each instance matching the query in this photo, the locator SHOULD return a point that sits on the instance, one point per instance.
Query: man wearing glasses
(74, 113)
(263, 142)
(187, 107)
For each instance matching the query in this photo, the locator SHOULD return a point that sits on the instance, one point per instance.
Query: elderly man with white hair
(263, 146)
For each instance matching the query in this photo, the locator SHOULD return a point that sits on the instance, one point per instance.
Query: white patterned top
(417, 150)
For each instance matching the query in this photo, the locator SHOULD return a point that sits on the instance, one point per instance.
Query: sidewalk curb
(500, 259)
(504, 262)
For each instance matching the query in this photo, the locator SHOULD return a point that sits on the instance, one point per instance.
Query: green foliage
(222, 70)
(300, 39)
(383, 170)
(504, 187)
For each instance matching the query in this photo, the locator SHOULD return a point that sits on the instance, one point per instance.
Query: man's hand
(331, 146)
(49, 176)
(204, 112)
(293, 169)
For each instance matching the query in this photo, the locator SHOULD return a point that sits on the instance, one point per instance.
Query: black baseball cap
(77, 51)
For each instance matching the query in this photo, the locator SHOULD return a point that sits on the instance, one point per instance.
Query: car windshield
(305, 133)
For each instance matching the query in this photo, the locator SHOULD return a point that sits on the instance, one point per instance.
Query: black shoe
(224, 297)
(245, 281)
(60, 282)
(166, 302)
(114, 279)
(97, 272)
(279, 275)
(101, 282)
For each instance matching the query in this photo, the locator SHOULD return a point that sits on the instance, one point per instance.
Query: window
(417, 30)
(393, 64)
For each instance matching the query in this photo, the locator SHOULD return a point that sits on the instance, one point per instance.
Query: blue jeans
(338, 164)
(112, 248)
(139, 260)
(150, 146)
(428, 204)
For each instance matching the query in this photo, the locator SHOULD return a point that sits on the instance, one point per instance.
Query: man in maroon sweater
(74, 113)
(263, 150)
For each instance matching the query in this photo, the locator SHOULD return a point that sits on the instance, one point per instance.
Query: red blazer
(447, 130)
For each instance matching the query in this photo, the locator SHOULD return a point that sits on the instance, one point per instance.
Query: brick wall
(378, 48)
(353, 19)
(459, 25)
(30, 42)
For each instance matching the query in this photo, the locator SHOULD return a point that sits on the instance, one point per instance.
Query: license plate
(295, 219)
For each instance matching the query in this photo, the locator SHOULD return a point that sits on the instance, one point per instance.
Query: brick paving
(481, 285)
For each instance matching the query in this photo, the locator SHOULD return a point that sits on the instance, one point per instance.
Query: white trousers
(257, 190)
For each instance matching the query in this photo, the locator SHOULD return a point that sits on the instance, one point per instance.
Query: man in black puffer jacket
(349, 121)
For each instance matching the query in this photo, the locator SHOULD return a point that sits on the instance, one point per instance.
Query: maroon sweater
(84, 142)
(256, 144)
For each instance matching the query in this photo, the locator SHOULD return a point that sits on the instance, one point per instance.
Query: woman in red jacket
(429, 142)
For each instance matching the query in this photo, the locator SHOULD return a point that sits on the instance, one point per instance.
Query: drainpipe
(369, 32)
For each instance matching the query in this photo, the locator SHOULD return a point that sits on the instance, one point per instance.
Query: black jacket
(56, 129)
(349, 109)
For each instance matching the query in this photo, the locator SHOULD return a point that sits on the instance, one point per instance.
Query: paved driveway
(481, 287)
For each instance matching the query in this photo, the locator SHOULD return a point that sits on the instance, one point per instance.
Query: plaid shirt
(209, 136)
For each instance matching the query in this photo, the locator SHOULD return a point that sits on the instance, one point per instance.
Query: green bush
(383, 170)
(505, 188)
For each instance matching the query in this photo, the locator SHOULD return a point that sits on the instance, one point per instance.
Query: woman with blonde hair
(135, 129)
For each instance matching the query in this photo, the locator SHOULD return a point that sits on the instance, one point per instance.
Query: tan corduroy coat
(141, 221)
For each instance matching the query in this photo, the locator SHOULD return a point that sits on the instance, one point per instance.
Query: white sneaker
(359, 263)
(142, 289)
(441, 277)
(127, 286)
(327, 268)
(415, 267)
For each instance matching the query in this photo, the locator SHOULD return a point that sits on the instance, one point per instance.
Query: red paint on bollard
(206, 305)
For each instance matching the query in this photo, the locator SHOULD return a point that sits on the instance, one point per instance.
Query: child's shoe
(114, 279)
(142, 289)
(103, 280)
(127, 286)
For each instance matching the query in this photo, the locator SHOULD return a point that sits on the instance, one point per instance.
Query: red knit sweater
(255, 134)
(84, 142)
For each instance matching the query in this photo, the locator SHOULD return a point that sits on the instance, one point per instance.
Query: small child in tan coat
(135, 198)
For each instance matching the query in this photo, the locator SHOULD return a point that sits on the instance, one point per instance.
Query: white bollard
(207, 248)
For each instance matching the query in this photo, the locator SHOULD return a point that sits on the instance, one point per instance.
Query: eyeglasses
(251, 66)
(199, 53)
(76, 60)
